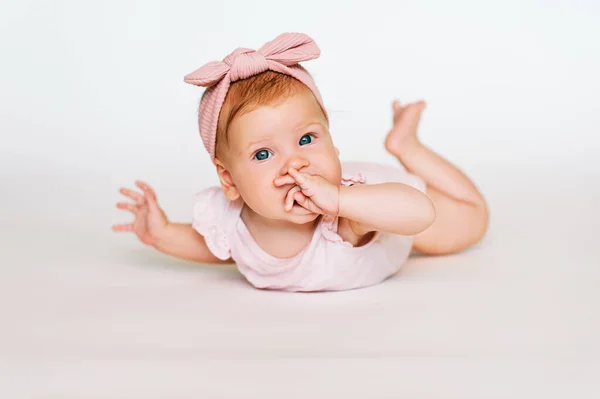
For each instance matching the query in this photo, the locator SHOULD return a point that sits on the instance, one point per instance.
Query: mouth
(297, 208)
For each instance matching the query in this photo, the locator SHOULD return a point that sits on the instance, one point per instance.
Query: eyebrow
(311, 123)
(252, 144)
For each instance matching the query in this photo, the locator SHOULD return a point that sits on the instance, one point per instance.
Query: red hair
(266, 88)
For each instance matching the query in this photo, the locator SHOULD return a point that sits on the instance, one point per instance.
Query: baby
(288, 212)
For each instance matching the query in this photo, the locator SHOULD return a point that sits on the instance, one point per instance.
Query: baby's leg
(461, 211)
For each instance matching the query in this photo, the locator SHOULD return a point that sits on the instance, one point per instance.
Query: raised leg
(461, 211)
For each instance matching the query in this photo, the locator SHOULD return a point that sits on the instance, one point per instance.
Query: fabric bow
(286, 49)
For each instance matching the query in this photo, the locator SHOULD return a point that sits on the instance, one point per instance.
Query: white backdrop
(99, 85)
(92, 97)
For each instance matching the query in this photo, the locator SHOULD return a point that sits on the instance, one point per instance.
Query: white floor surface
(88, 313)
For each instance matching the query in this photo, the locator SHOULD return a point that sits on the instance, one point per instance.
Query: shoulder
(377, 173)
(355, 233)
(213, 213)
(372, 173)
(210, 197)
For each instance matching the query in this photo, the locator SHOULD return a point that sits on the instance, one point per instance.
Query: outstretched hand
(150, 221)
(312, 192)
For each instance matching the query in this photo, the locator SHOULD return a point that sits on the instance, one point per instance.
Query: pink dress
(328, 263)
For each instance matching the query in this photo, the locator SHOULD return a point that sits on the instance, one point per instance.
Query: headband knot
(244, 63)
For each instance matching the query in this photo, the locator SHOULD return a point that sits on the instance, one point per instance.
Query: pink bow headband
(280, 55)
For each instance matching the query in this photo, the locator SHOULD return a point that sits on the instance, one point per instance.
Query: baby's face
(265, 142)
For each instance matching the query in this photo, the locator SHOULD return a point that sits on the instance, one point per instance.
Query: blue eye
(261, 155)
(306, 139)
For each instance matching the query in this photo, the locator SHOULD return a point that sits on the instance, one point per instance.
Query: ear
(337, 151)
(229, 188)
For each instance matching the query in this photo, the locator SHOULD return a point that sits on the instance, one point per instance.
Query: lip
(298, 209)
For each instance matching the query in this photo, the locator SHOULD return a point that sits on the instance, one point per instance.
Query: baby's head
(267, 122)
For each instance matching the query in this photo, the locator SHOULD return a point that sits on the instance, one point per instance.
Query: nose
(296, 162)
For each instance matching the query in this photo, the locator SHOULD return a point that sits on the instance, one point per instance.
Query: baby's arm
(392, 207)
(182, 241)
(153, 228)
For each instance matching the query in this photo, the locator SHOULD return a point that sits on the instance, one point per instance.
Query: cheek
(256, 186)
(329, 163)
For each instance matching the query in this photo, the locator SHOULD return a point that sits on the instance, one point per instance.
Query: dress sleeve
(211, 211)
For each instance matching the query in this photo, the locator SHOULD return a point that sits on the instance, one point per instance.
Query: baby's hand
(150, 221)
(311, 192)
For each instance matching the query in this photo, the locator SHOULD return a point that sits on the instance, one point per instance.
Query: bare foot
(403, 133)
